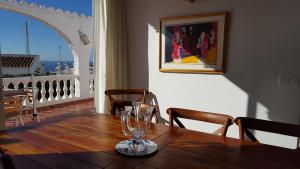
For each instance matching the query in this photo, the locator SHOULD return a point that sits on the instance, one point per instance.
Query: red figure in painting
(177, 48)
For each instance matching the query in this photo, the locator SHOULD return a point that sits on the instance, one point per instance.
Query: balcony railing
(50, 90)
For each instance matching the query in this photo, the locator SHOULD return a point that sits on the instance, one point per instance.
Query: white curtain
(109, 50)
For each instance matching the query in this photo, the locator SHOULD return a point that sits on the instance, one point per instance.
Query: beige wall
(264, 42)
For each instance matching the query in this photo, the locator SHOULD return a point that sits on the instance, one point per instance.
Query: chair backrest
(215, 118)
(246, 123)
(29, 94)
(118, 104)
(12, 105)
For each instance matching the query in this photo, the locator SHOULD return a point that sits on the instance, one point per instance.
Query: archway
(75, 29)
(66, 39)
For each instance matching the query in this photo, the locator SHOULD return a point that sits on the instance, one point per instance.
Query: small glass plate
(124, 147)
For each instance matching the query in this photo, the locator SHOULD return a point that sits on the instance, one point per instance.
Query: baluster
(15, 85)
(50, 91)
(91, 87)
(25, 86)
(56, 90)
(43, 92)
(71, 88)
(65, 89)
(77, 86)
(58, 97)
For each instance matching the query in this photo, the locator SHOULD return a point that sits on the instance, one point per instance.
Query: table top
(87, 141)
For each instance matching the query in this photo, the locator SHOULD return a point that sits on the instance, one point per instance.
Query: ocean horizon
(50, 65)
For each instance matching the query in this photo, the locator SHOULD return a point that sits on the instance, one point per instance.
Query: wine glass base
(124, 148)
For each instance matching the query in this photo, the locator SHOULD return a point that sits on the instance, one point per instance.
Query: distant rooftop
(17, 60)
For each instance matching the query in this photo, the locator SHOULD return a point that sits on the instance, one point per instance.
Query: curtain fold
(99, 24)
(110, 49)
(116, 46)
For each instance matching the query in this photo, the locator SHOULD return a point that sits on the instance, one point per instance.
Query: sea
(50, 65)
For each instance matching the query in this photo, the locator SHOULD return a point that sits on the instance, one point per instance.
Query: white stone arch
(76, 29)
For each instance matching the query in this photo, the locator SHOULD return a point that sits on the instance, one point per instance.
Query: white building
(19, 64)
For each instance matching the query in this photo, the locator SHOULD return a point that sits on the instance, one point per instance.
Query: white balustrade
(45, 90)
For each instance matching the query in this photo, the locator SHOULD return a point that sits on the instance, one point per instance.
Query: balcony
(52, 90)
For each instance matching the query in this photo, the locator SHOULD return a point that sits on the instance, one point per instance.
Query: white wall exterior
(263, 42)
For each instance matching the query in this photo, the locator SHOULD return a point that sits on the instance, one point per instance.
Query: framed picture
(193, 44)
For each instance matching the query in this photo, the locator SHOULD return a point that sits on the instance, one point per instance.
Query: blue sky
(44, 41)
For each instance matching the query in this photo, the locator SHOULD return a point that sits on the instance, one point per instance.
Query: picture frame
(193, 44)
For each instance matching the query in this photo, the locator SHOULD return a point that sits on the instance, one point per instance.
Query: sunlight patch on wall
(262, 111)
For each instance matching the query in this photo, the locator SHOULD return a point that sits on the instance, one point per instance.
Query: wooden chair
(13, 108)
(27, 101)
(224, 120)
(246, 123)
(119, 104)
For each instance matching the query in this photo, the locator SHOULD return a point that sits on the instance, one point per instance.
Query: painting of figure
(192, 43)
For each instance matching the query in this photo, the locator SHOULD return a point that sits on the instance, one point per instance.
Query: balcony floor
(79, 107)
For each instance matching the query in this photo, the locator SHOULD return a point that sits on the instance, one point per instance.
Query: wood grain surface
(87, 141)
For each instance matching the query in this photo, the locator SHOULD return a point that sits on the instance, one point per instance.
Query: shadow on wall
(138, 65)
(259, 51)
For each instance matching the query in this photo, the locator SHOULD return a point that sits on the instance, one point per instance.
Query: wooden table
(87, 141)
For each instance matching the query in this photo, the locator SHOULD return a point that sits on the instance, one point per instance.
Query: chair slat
(246, 123)
(224, 120)
(118, 104)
